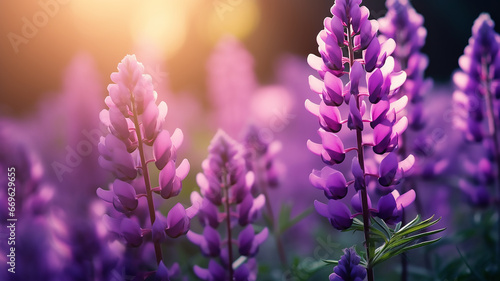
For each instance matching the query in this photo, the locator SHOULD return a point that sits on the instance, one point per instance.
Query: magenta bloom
(403, 24)
(477, 100)
(136, 138)
(348, 268)
(225, 182)
(371, 98)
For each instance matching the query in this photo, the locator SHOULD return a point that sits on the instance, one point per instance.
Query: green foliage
(395, 241)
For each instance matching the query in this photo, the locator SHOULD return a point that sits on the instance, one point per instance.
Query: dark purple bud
(209, 242)
(348, 268)
(330, 118)
(248, 242)
(210, 188)
(386, 207)
(371, 55)
(126, 194)
(168, 184)
(242, 273)
(178, 221)
(208, 213)
(368, 31)
(355, 75)
(332, 55)
(131, 231)
(158, 230)
(331, 181)
(359, 176)
(162, 273)
(333, 148)
(249, 208)
(337, 212)
(115, 158)
(475, 131)
(375, 82)
(333, 94)
(357, 203)
(382, 137)
(355, 120)
(388, 169)
(355, 14)
(162, 149)
(337, 29)
(339, 10)
(214, 272)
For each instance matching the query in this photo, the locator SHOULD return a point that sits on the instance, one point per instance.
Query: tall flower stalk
(405, 26)
(136, 138)
(225, 184)
(477, 100)
(260, 159)
(351, 50)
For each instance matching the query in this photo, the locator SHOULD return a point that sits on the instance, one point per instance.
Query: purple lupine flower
(48, 254)
(348, 268)
(260, 158)
(226, 183)
(136, 138)
(377, 72)
(231, 83)
(403, 24)
(370, 97)
(476, 102)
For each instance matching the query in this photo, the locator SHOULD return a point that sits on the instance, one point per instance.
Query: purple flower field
(341, 140)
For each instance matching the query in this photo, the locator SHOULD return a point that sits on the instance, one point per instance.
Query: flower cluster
(231, 83)
(370, 70)
(136, 138)
(348, 268)
(225, 183)
(477, 104)
(260, 158)
(403, 24)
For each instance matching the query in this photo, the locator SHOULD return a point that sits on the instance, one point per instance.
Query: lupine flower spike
(260, 159)
(135, 139)
(405, 26)
(370, 99)
(477, 103)
(348, 268)
(226, 183)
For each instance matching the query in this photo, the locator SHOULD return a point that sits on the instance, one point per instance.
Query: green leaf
(404, 239)
(334, 262)
(416, 226)
(413, 238)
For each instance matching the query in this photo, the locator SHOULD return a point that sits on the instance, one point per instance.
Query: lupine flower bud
(226, 182)
(248, 242)
(348, 268)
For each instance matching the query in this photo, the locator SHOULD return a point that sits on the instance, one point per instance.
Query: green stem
(227, 206)
(493, 134)
(364, 195)
(144, 168)
(262, 183)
